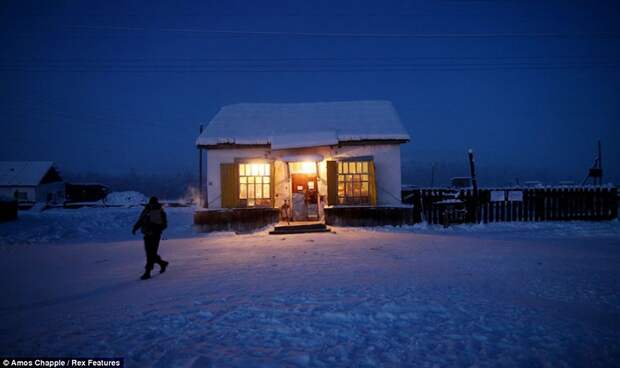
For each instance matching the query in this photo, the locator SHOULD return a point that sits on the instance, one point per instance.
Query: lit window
(303, 167)
(255, 184)
(353, 182)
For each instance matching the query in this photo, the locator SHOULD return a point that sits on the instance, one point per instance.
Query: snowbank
(87, 225)
(550, 229)
(129, 198)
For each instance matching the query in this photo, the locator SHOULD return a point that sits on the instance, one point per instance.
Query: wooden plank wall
(240, 220)
(539, 204)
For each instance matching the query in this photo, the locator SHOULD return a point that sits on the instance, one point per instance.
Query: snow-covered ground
(495, 295)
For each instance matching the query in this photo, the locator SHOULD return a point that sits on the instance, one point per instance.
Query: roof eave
(357, 142)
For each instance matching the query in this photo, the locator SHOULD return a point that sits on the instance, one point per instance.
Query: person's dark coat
(152, 220)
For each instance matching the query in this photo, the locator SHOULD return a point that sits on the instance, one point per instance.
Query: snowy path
(354, 298)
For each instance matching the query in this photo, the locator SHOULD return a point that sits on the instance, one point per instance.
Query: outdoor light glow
(305, 167)
(308, 167)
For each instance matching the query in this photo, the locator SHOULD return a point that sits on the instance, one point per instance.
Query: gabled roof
(23, 172)
(303, 124)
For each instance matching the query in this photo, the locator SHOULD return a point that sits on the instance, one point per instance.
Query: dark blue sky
(109, 86)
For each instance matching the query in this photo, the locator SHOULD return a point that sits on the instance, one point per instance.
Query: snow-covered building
(304, 156)
(31, 181)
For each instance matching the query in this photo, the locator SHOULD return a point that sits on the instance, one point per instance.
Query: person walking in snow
(152, 222)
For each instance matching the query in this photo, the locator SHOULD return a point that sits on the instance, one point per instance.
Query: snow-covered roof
(295, 125)
(23, 172)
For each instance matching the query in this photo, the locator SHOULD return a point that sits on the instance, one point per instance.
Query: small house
(303, 158)
(31, 181)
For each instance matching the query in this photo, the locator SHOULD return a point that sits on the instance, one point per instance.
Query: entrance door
(305, 197)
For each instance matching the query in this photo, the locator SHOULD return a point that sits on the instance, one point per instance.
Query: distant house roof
(303, 124)
(24, 172)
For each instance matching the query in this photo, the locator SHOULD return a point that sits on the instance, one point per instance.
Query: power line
(303, 64)
(357, 35)
(301, 58)
(307, 69)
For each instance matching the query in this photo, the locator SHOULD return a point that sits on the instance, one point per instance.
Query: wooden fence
(516, 204)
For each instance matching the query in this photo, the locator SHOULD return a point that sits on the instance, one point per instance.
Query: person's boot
(162, 266)
(146, 275)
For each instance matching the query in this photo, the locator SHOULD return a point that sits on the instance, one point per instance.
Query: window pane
(345, 167)
(267, 169)
(356, 178)
(349, 178)
(243, 194)
(364, 189)
(359, 167)
(258, 180)
(259, 190)
(243, 180)
(357, 186)
(241, 169)
(251, 180)
(340, 189)
(348, 189)
(251, 191)
(364, 177)
(266, 191)
(266, 179)
(339, 167)
(341, 178)
(352, 167)
(365, 167)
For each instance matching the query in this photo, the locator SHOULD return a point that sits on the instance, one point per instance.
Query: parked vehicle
(85, 192)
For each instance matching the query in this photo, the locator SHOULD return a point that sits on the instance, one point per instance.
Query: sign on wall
(515, 195)
(498, 196)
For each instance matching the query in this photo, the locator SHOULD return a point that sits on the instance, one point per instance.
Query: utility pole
(474, 184)
(600, 163)
(200, 189)
(596, 171)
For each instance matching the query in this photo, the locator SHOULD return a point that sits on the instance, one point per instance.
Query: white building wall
(9, 191)
(386, 158)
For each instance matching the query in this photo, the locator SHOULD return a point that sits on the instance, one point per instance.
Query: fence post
(614, 203)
